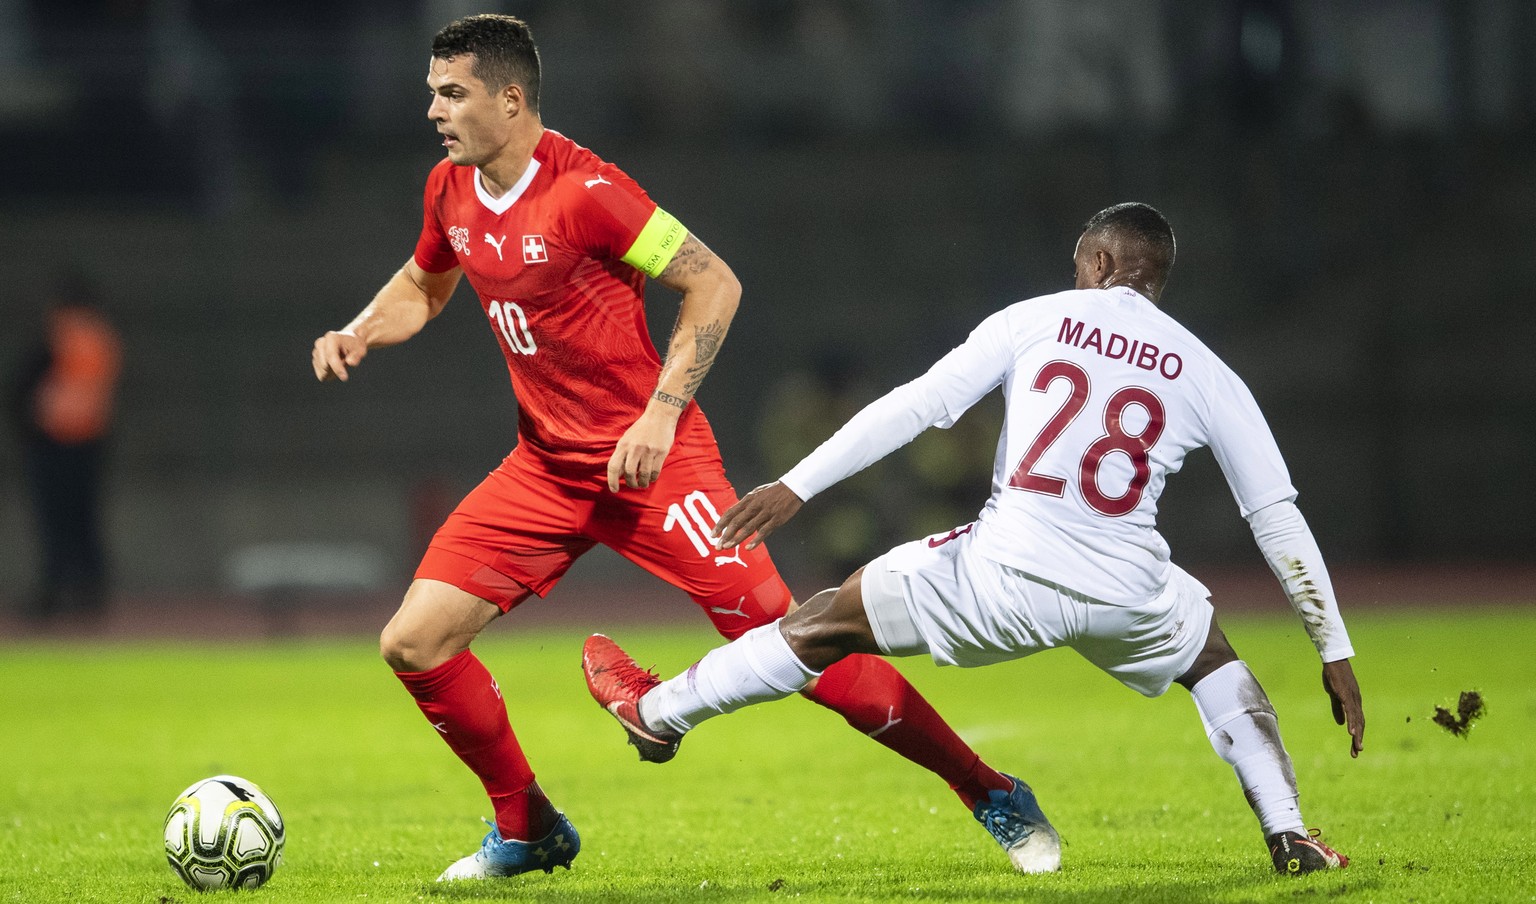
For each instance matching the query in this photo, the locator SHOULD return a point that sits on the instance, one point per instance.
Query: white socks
(1241, 724)
(756, 667)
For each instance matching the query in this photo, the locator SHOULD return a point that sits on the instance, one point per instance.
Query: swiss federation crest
(533, 249)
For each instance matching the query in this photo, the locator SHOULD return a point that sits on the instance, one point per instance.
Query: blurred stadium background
(1352, 184)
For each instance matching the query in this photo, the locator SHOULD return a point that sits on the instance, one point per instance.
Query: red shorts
(519, 531)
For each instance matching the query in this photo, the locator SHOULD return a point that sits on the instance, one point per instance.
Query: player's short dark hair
(503, 48)
(1140, 230)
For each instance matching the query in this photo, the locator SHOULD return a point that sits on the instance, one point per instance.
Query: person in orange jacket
(63, 408)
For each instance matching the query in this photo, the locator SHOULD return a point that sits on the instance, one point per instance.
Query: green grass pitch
(777, 802)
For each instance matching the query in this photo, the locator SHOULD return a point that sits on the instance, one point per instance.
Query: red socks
(877, 699)
(461, 700)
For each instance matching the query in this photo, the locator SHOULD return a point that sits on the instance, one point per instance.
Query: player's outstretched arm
(399, 311)
(1293, 555)
(710, 293)
(758, 514)
(1344, 691)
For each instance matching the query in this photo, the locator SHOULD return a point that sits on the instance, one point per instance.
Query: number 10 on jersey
(696, 508)
(509, 318)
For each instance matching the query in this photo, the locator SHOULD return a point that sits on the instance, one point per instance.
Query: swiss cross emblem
(533, 249)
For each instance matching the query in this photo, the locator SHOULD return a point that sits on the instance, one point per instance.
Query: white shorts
(936, 596)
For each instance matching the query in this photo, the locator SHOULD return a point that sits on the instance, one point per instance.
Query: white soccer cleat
(1014, 819)
(1040, 852)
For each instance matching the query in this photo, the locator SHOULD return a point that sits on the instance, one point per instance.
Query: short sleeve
(614, 219)
(434, 253)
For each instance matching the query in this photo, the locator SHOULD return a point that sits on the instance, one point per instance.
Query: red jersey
(559, 263)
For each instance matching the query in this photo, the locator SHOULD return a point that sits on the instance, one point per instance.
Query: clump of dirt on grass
(1469, 709)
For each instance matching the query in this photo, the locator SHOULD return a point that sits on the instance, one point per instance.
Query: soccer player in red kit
(611, 447)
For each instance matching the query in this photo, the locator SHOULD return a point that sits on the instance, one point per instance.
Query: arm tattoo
(670, 399)
(693, 258)
(706, 343)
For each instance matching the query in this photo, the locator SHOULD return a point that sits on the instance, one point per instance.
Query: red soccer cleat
(1295, 854)
(617, 684)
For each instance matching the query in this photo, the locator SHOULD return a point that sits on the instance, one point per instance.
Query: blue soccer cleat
(1014, 819)
(498, 857)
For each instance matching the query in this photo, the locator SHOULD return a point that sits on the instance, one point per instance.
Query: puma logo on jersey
(598, 181)
(496, 243)
(740, 609)
(726, 560)
(891, 721)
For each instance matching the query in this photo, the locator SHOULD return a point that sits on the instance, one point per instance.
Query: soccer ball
(223, 832)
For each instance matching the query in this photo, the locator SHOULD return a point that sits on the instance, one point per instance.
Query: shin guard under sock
(878, 700)
(463, 703)
(1243, 729)
(756, 667)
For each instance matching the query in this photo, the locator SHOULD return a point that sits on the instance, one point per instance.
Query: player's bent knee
(830, 625)
(397, 650)
(405, 650)
(1216, 653)
(435, 622)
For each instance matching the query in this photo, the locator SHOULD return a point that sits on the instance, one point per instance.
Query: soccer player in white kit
(1105, 396)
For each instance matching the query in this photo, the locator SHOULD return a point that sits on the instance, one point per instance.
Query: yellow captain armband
(657, 243)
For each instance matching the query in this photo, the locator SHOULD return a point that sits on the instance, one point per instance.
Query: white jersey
(1105, 396)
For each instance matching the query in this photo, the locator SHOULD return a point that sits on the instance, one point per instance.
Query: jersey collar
(504, 203)
(1120, 291)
